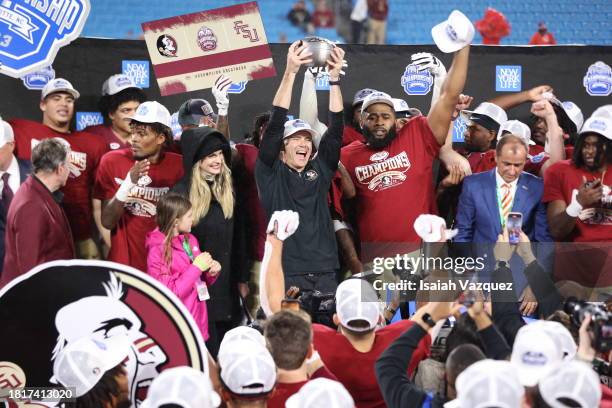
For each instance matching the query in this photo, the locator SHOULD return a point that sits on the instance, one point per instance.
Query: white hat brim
(75, 94)
(312, 132)
(445, 44)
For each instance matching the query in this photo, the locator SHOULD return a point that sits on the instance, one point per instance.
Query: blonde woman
(208, 185)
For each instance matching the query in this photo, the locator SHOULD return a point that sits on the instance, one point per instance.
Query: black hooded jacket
(215, 234)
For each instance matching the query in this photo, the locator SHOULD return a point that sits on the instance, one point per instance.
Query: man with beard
(352, 130)
(578, 193)
(481, 133)
(95, 369)
(392, 171)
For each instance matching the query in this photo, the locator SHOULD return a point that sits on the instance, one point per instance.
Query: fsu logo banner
(59, 302)
(32, 31)
(189, 52)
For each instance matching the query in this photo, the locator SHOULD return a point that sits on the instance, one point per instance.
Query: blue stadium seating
(571, 22)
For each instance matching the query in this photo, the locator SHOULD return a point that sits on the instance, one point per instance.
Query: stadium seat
(409, 22)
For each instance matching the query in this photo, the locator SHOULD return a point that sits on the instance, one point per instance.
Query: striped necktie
(506, 202)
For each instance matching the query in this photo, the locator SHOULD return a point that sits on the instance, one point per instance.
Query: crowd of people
(293, 221)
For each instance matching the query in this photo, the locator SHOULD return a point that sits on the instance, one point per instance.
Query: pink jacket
(182, 276)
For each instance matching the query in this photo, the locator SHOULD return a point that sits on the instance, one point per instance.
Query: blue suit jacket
(478, 218)
(25, 168)
(478, 221)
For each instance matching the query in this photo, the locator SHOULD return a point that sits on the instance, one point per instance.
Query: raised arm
(439, 117)
(272, 139)
(511, 100)
(554, 134)
(219, 90)
(329, 148)
(271, 279)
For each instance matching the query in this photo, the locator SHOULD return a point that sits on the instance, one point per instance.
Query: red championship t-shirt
(535, 160)
(356, 370)
(350, 135)
(112, 141)
(394, 184)
(86, 152)
(588, 264)
(128, 237)
(256, 212)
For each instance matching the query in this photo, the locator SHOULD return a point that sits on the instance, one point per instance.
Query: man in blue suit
(487, 198)
(13, 172)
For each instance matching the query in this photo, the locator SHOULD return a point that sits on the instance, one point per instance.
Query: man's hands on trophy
(335, 63)
(297, 56)
(283, 224)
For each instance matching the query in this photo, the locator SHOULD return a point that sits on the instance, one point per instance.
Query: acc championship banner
(32, 31)
(189, 52)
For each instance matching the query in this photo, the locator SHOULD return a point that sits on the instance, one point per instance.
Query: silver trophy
(320, 48)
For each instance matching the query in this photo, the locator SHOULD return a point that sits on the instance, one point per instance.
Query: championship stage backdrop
(581, 74)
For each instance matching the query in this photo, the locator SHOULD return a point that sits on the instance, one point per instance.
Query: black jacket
(312, 249)
(215, 234)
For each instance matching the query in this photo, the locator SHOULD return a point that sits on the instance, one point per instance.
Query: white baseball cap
(298, 125)
(59, 85)
(604, 111)
(454, 33)
(242, 333)
(571, 110)
(517, 128)
(534, 354)
(356, 300)
(361, 95)
(152, 112)
(377, 97)
(247, 368)
(84, 361)
(321, 392)
(488, 383)
(574, 380)
(559, 334)
(600, 125)
(183, 386)
(488, 109)
(6, 133)
(117, 83)
(403, 110)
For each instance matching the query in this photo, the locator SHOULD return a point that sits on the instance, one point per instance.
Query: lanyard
(187, 248)
(500, 209)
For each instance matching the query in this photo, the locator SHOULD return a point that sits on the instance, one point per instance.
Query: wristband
(573, 210)
(334, 82)
(124, 189)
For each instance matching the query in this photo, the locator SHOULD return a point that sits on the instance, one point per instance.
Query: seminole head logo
(416, 82)
(98, 300)
(167, 46)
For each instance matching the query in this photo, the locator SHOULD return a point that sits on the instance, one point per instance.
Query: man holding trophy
(290, 177)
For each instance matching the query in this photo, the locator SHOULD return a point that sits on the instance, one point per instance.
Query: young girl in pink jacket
(174, 258)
